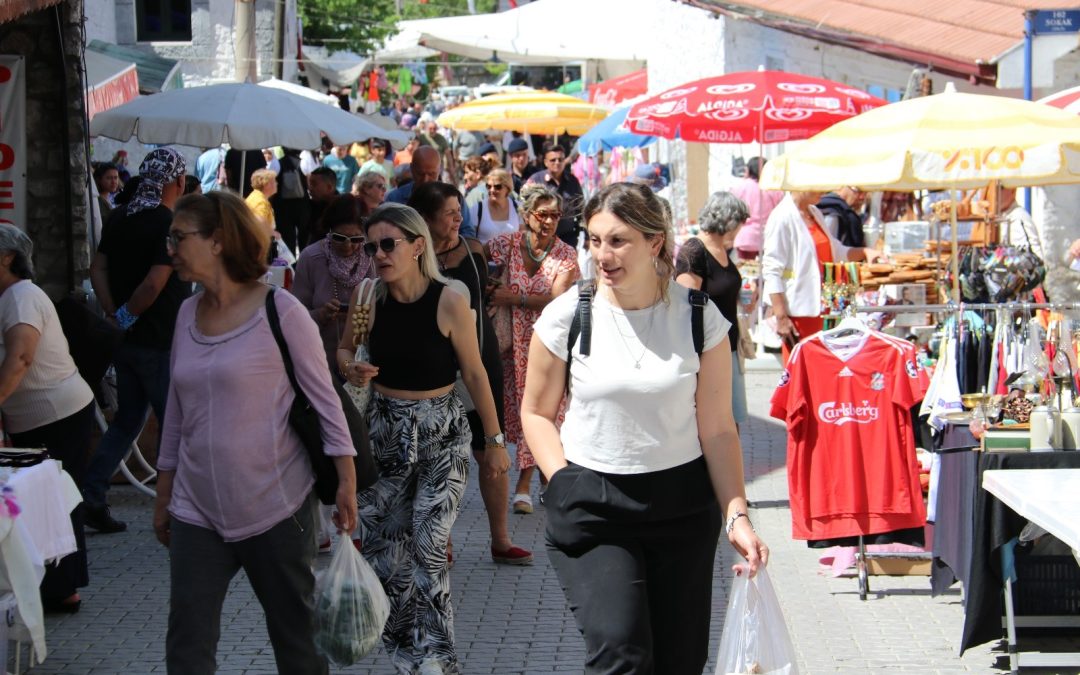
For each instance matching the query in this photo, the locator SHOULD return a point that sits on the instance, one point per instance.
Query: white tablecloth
(41, 533)
(1049, 498)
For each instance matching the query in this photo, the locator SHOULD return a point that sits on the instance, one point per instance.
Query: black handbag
(303, 418)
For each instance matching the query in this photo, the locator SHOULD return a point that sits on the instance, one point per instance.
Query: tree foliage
(361, 26)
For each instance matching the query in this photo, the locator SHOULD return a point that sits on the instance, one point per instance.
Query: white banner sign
(12, 141)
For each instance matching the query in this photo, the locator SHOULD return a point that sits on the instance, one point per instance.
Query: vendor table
(992, 524)
(1049, 498)
(41, 533)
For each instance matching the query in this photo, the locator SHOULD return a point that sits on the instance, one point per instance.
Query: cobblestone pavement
(515, 620)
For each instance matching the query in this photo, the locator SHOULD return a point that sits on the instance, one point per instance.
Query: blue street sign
(1057, 21)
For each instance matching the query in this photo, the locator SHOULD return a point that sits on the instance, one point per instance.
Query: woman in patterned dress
(538, 267)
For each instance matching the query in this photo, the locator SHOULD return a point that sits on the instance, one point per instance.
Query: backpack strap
(580, 325)
(698, 300)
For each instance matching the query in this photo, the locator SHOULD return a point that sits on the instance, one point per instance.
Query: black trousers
(67, 440)
(634, 554)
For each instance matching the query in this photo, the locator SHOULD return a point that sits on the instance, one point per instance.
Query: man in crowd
(556, 177)
(290, 201)
(518, 149)
(322, 186)
(208, 168)
(426, 168)
(378, 149)
(344, 166)
(133, 278)
(844, 206)
(428, 134)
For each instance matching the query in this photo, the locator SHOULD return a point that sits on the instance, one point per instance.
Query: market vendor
(796, 247)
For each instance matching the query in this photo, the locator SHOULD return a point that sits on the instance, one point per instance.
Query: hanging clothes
(846, 401)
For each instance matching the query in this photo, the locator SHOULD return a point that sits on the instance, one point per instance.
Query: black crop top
(406, 344)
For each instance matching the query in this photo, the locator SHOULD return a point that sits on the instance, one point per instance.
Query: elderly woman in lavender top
(234, 480)
(329, 270)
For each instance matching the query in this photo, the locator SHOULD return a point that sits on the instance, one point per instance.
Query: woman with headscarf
(46, 404)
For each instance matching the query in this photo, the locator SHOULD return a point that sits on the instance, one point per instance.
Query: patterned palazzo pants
(421, 449)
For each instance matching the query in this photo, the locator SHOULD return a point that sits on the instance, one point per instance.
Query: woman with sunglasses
(538, 268)
(420, 334)
(330, 269)
(463, 259)
(371, 188)
(234, 480)
(497, 213)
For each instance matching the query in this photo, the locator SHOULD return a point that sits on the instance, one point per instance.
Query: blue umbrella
(610, 133)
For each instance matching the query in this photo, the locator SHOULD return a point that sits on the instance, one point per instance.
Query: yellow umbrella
(949, 140)
(534, 112)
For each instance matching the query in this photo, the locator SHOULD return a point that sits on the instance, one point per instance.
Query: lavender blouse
(240, 468)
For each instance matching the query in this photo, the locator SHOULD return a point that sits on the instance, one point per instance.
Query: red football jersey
(851, 450)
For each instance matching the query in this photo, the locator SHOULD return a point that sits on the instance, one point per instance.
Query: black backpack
(581, 325)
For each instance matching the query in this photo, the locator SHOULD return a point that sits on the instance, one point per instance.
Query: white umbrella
(300, 90)
(246, 116)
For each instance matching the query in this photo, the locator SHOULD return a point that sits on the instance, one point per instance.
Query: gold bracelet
(343, 368)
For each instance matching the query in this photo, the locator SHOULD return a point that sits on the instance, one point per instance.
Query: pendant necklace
(529, 248)
(440, 257)
(644, 342)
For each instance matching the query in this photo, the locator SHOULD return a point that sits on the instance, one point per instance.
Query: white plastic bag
(351, 607)
(755, 639)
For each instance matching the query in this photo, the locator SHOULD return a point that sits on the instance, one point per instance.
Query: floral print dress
(506, 250)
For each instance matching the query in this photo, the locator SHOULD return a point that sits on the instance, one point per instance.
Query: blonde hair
(413, 226)
(262, 178)
(641, 209)
(501, 176)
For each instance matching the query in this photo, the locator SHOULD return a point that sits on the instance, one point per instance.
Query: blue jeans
(142, 380)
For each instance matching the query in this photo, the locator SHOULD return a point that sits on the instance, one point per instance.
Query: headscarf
(161, 166)
(346, 270)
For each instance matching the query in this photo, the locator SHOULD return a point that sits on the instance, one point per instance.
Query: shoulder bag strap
(698, 300)
(479, 290)
(580, 325)
(275, 328)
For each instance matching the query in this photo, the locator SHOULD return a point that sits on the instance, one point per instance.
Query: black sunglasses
(387, 244)
(343, 239)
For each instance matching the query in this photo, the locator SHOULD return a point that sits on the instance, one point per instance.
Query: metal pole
(1029, 39)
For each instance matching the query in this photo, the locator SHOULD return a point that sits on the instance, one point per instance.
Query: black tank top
(406, 344)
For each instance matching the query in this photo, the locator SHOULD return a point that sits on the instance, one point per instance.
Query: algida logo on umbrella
(831, 412)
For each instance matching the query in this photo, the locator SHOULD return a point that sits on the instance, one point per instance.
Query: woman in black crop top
(463, 259)
(420, 336)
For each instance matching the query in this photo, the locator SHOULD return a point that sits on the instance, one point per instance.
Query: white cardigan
(789, 261)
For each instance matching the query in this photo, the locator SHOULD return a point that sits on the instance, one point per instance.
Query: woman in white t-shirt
(497, 213)
(46, 403)
(636, 471)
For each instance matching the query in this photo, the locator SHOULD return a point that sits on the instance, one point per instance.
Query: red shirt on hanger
(851, 450)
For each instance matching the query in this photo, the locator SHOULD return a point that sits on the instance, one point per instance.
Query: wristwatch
(497, 440)
(735, 516)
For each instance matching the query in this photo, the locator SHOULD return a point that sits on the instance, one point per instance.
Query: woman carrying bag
(648, 448)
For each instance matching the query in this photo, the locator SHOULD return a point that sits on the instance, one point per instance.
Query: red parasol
(764, 106)
(610, 93)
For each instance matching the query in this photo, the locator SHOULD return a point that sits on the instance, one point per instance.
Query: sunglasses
(174, 237)
(547, 215)
(343, 239)
(497, 186)
(387, 244)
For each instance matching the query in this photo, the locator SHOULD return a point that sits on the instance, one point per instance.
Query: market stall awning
(110, 82)
(534, 112)
(156, 73)
(337, 70)
(614, 91)
(13, 9)
(547, 31)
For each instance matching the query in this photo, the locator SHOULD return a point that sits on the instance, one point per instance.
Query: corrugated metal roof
(156, 73)
(13, 9)
(965, 31)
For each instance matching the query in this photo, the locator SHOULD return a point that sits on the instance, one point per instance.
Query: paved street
(515, 620)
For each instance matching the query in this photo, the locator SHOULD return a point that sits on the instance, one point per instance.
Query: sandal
(522, 504)
(515, 555)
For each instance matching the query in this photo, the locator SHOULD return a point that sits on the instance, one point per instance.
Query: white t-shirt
(489, 228)
(624, 419)
(52, 388)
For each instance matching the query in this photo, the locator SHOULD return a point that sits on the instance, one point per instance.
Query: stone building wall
(56, 180)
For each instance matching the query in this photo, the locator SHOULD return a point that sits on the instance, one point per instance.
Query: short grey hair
(16, 241)
(722, 213)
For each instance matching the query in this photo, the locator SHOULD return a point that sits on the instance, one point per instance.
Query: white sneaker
(522, 503)
(430, 667)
